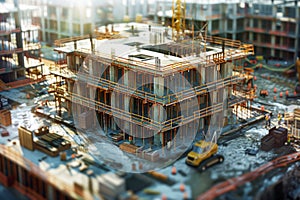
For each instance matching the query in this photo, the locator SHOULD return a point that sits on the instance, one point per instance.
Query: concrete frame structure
(70, 18)
(62, 19)
(19, 51)
(116, 86)
(274, 28)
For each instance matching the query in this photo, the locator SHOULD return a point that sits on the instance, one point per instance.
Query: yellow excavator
(203, 155)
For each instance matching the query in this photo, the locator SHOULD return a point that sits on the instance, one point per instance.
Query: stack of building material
(5, 117)
(26, 138)
(4, 133)
(151, 156)
(276, 138)
(41, 131)
(86, 120)
(45, 147)
(56, 141)
(3, 102)
(128, 148)
(296, 131)
(111, 185)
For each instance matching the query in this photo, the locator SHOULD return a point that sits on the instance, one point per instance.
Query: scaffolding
(213, 94)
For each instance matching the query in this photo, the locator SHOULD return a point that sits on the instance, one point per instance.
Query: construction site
(144, 111)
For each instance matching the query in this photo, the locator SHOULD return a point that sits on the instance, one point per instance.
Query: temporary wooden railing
(225, 41)
(146, 121)
(165, 100)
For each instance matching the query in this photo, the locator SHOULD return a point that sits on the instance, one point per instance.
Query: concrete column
(251, 25)
(164, 14)
(113, 105)
(81, 27)
(145, 8)
(104, 124)
(131, 9)
(126, 99)
(158, 115)
(112, 73)
(50, 192)
(273, 37)
(202, 71)
(71, 21)
(159, 86)
(226, 113)
(229, 67)
(69, 103)
(297, 31)
(78, 106)
(234, 21)
(43, 23)
(215, 73)
(158, 110)
(156, 4)
(214, 97)
(58, 14)
(92, 92)
(259, 35)
(201, 124)
(90, 65)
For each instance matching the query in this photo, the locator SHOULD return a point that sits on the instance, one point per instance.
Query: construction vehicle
(203, 155)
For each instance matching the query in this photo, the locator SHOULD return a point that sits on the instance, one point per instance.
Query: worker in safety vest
(279, 116)
(268, 120)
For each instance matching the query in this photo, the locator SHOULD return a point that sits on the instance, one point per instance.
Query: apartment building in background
(272, 26)
(19, 46)
(63, 19)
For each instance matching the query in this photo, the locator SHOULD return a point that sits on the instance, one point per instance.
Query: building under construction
(148, 89)
(19, 50)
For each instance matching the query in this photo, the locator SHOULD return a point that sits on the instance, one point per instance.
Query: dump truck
(203, 155)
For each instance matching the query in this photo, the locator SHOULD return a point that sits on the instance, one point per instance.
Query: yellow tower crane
(178, 19)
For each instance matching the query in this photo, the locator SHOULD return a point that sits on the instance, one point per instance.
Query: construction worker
(279, 116)
(268, 120)
(288, 138)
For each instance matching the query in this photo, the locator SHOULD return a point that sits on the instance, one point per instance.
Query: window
(266, 9)
(215, 9)
(240, 24)
(266, 24)
(52, 11)
(215, 25)
(255, 23)
(76, 28)
(277, 40)
(45, 11)
(53, 24)
(290, 12)
(229, 24)
(65, 13)
(87, 28)
(254, 36)
(64, 27)
(265, 38)
(88, 13)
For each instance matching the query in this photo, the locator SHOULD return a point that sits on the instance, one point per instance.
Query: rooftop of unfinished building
(62, 174)
(147, 46)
